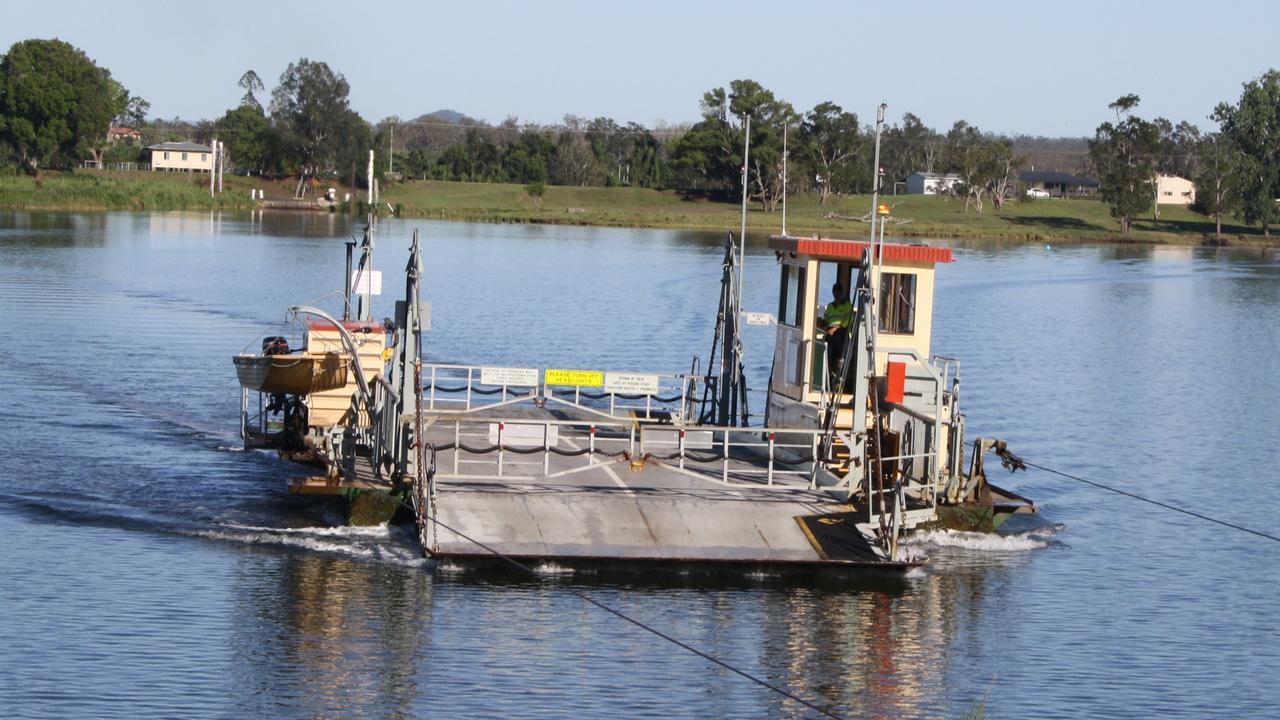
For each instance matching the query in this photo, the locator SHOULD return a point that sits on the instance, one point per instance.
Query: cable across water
(1157, 503)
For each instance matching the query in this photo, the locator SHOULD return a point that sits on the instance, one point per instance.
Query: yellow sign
(581, 378)
(883, 209)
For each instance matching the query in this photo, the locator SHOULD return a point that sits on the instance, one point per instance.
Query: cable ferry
(862, 439)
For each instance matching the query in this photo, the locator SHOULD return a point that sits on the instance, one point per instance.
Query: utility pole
(784, 179)
(213, 169)
(391, 151)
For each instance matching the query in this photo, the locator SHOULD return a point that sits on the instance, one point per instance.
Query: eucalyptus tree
(832, 142)
(1217, 177)
(251, 84)
(1125, 154)
(1253, 126)
(312, 114)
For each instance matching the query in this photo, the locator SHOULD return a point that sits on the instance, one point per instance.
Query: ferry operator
(835, 322)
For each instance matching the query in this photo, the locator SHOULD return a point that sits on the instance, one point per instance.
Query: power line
(1157, 503)
(647, 628)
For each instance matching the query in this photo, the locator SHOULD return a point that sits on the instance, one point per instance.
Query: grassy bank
(1042, 220)
(97, 190)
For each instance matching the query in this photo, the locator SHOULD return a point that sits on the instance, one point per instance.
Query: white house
(928, 183)
(181, 156)
(1174, 190)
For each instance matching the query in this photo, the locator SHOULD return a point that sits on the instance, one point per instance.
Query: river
(153, 569)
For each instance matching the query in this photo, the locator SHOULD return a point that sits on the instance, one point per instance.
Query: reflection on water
(153, 569)
(338, 635)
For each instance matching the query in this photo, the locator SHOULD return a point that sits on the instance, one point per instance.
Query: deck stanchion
(470, 374)
(591, 443)
(724, 457)
(546, 449)
(457, 444)
(431, 399)
(770, 476)
(500, 428)
(680, 447)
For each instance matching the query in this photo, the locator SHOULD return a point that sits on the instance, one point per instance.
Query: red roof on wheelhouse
(833, 249)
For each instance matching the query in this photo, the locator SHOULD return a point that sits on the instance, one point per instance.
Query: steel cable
(1157, 503)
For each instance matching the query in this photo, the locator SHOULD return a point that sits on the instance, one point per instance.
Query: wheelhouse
(809, 267)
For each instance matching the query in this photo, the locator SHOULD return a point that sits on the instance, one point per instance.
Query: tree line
(1235, 170)
(56, 106)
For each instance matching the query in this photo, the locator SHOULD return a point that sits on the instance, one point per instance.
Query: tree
(1125, 154)
(748, 99)
(830, 138)
(968, 155)
(1216, 177)
(248, 136)
(536, 190)
(1002, 164)
(1253, 126)
(55, 103)
(251, 84)
(310, 110)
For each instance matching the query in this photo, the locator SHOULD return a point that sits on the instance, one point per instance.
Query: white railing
(461, 389)
(522, 449)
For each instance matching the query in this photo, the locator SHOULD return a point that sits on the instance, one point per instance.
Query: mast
(877, 258)
(364, 275)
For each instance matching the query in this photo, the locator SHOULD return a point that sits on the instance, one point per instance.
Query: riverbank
(1023, 220)
(1036, 220)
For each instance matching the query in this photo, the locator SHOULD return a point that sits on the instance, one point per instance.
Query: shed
(930, 183)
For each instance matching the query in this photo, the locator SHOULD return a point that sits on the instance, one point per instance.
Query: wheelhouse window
(791, 295)
(898, 303)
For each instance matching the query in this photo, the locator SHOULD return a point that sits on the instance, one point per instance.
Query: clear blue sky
(1032, 67)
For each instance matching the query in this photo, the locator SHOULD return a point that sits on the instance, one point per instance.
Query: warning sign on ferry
(631, 383)
(581, 378)
(521, 377)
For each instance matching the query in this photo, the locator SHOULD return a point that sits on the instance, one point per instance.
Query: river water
(153, 569)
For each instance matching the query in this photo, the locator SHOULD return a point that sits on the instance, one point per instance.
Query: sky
(1036, 68)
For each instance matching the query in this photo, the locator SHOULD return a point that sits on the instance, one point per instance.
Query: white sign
(367, 283)
(760, 318)
(520, 377)
(631, 383)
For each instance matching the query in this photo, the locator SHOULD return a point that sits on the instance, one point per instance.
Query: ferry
(859, 441)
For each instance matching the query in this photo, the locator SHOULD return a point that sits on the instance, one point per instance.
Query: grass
(1041, 220)
(95, 190)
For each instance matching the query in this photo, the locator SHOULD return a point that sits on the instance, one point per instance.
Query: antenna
(742, 236)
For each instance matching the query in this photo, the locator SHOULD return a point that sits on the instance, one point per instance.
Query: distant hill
(449, 116)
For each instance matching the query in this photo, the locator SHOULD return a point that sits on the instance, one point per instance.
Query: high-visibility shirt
(838, 314)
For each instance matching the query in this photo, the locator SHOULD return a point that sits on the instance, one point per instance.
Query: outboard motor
(275, 345)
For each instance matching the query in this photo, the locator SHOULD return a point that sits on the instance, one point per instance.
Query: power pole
(213, 169)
